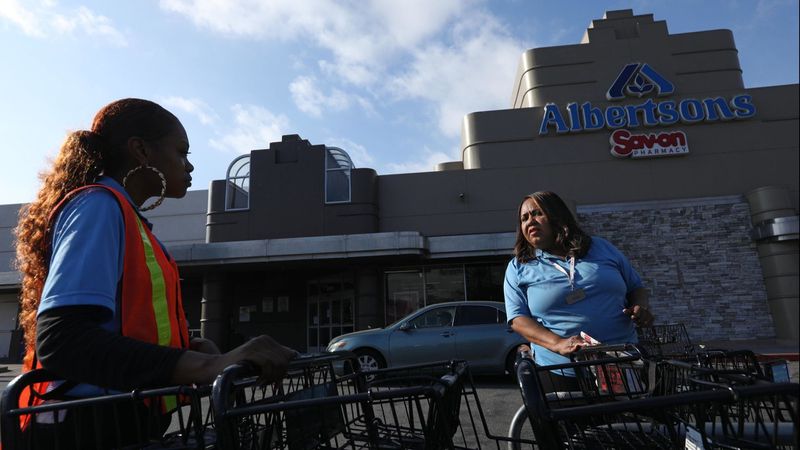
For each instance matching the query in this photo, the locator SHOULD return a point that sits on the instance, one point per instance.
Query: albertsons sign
(638, 80)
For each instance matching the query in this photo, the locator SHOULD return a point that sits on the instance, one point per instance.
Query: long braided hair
(83, 157)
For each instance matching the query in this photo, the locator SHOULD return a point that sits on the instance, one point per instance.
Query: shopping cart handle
(523, 351)
(247, 368)
(629, 348)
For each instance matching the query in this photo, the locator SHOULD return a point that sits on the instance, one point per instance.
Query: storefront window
(347, 315)
(485, 281)
(444, 284)
(411, 289)
(404, 294)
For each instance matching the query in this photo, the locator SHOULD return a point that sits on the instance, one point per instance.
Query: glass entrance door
(330, 310)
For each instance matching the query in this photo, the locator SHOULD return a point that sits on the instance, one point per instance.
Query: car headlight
(334, 346)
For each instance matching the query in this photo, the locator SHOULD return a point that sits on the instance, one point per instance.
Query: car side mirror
(405, 327)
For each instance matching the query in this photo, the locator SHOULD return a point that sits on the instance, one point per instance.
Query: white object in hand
(590, 340)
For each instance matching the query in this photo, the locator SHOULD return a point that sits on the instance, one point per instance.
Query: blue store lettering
(587, 117)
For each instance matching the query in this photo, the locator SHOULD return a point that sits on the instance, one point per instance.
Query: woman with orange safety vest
(100, 302)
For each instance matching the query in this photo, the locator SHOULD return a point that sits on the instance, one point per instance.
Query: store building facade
(651, 136)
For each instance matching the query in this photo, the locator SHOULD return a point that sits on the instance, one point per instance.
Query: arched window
(337, 175)
(237, 184)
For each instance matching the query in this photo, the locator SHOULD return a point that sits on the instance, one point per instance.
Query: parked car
(475, 331)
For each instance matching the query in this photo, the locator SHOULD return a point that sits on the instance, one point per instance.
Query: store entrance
(330, 310)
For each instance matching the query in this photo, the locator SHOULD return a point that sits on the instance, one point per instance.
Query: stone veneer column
(775, 230)
(697, 259)
(214, 313)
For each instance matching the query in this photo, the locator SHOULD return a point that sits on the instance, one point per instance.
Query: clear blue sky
(389, 81)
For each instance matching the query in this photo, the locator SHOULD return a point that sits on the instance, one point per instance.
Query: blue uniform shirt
(538, 290)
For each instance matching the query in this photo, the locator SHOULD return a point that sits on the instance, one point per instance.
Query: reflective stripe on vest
(160, 308)
(160, 304)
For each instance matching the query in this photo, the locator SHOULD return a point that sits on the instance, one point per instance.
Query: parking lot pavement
(7, 375)
(500, 399)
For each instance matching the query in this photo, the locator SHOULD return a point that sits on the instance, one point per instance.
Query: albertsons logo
(638, 80)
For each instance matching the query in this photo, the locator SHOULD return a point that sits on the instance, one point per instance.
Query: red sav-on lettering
(626, 144)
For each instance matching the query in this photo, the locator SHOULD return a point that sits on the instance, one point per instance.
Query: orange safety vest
(151, 307)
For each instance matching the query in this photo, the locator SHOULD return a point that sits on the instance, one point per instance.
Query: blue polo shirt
(537, 289)
(88, 247)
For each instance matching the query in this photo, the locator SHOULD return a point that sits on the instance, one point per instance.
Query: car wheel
(370, 360)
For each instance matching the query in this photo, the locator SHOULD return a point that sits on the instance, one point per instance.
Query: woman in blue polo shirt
(562, 281)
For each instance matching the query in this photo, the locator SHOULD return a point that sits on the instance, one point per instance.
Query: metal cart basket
(414, 407)
(127, 420)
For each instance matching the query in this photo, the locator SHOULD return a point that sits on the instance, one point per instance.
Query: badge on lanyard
(575, 295)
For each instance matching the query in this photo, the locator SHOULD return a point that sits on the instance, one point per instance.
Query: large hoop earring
(163, 185)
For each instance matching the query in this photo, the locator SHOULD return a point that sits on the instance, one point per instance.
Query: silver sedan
(475, 331)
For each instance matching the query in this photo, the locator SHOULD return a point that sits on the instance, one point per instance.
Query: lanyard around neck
(571, 274)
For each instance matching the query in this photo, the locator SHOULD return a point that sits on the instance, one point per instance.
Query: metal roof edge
(10, 280)
(301, 248)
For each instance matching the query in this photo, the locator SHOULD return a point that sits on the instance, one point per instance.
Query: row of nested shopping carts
(662, 393)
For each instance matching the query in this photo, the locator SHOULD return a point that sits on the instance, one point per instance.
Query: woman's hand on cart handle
(266, 353)
(637, 302)
(569, 345)
(535, 333)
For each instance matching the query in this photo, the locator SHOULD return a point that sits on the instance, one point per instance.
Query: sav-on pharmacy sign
(638, 80)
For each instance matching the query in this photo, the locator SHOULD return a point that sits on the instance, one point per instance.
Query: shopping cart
(742, 362)
(758, 414)
(775, 370)
(671, 341)
(615, 408)
(624, 400)
(610, 408)
(665, 341)
(309, 376)
(126, 420)
(413, 407)
(132, 420)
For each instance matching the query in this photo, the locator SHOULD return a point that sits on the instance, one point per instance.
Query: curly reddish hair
(83, 157)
